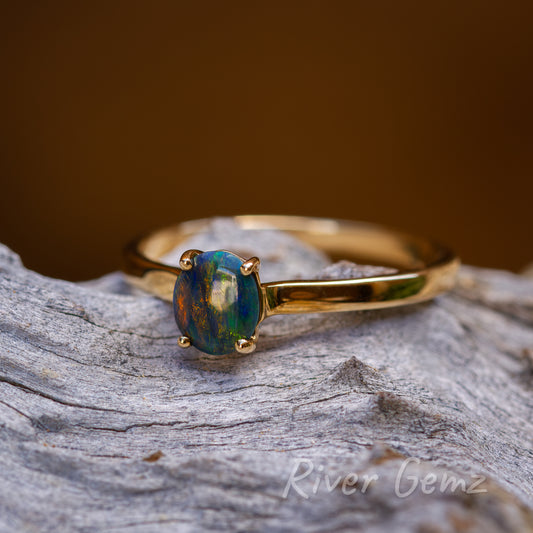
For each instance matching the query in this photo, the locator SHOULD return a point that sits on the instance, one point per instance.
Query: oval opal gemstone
(214, 304)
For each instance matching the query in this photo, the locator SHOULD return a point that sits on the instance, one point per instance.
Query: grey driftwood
(417, 419)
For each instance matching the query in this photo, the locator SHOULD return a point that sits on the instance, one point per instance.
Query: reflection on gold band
(425, 268)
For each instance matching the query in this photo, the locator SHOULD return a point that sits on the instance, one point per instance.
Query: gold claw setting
(218, 302)
(186, 259)
(246, 346)
(250, 266)
(184, 341)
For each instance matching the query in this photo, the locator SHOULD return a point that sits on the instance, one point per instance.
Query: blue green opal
(214, 304)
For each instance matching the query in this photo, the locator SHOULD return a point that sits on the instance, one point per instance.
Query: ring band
(425, 269)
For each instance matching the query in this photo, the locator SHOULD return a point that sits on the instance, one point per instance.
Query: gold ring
(219, 299)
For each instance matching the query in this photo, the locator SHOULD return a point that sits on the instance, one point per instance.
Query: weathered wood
(106, 425)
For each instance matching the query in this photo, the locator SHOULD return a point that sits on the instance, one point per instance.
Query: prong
(249, 266)
(184, 341)
(187, 257)
(246, 346)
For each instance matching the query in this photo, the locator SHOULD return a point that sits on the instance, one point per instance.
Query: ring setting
(219, 300)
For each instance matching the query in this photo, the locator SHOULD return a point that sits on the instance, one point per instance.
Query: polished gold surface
(250, 266)
(187, 257)
(246, 346)
(425, 268)
(184, 341)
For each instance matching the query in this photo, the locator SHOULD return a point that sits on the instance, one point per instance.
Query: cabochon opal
(214, 304)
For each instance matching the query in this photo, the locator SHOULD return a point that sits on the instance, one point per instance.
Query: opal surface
(214, 304)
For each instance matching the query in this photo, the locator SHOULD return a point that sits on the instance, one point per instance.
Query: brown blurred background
(118, 117)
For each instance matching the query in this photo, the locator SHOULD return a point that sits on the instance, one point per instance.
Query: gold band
(425, 268)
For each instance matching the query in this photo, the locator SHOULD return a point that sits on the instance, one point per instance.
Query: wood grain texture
(105, 425)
